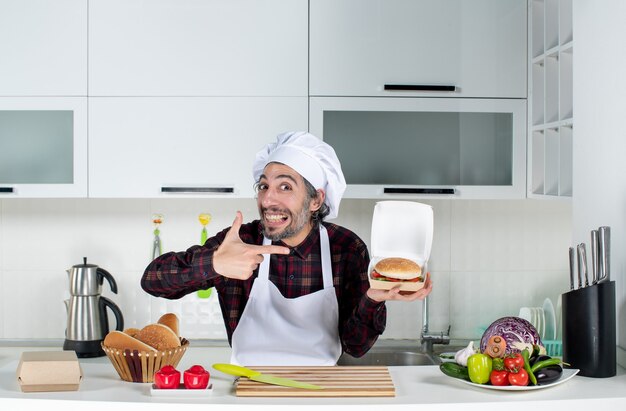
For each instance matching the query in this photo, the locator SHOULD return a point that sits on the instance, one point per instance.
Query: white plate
(559, 326)
(541, 321)
(567, 375)
(548, 310)
(526, 313)
(181, 392)
(534, 319)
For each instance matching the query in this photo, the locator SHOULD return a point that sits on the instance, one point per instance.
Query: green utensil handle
(204, 293)
(236, 370)
(203, 236)
(157, 248)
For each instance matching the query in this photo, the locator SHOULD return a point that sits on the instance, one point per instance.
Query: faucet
(429, 338)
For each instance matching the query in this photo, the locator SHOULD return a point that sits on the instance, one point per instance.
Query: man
(293, 288)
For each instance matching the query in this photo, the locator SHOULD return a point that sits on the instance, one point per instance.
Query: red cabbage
(514, 330)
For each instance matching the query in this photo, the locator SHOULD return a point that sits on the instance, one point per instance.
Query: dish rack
(547, 321)
(554, 348)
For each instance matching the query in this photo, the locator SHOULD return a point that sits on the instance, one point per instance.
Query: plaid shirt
(361, 320)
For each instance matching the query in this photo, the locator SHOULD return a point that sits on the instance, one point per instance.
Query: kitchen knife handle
(6, 190)
(581, 264)
(572, 265)
(193, 190)
(594, 256)
(604, 253)
(236, 370)
(420, 87)
(585, 270)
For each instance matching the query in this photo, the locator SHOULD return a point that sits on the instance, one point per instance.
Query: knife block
(589, 336)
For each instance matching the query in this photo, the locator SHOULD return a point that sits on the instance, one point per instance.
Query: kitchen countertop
(101, 388)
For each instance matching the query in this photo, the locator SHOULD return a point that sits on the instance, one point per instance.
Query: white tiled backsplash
(488, 259)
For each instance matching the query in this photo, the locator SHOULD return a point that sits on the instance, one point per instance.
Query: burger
(389, 272)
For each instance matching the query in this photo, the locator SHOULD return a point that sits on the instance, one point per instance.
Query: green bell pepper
(479, 368)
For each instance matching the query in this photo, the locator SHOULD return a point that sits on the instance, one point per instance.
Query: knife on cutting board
(253, 375)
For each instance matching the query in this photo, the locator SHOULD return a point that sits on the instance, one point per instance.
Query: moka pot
(87, 319)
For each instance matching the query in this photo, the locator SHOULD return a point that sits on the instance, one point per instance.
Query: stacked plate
(550, 320)
(542, 318)
(547, 321)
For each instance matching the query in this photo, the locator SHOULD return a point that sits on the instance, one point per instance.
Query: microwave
(407, 147)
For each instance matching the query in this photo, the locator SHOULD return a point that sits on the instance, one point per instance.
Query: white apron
(274, 330)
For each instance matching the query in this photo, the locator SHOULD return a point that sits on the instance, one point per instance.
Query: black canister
(589, 336)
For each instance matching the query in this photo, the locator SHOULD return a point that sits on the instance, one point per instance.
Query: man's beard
(298, 221)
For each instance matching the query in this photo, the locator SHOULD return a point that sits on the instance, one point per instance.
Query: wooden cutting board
(339, 381)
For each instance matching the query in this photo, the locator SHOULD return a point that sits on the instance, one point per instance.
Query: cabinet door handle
(6, 190)
(396, 190)
(191, 190)
(419, 87)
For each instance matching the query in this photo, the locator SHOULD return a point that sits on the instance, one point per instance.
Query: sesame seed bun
(400, 268)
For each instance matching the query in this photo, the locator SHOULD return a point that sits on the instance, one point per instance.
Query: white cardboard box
(40, 371)
(401, 229)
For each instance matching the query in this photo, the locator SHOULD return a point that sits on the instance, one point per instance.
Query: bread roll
(170, 320)
(123, 341)
(158, 336)
(131, 331)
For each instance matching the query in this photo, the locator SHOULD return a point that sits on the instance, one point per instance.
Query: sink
(390, 358)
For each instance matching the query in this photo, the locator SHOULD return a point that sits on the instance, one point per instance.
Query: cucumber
(452, 369)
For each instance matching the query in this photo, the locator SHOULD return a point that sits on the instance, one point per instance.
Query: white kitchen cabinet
(479, 48)
(43, 147)
(155, 147)
(551, 114)
(43, 45)
(198, 48)
(408, 148)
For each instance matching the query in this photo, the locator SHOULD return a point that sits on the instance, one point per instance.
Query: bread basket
(140, 366)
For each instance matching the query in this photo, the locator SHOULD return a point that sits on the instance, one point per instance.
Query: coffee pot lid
(84, 264)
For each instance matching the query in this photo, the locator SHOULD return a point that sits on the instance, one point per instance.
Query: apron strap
(264, 267)
(327, 269)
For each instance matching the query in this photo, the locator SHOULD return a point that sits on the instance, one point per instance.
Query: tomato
(381, 277)
(196, 377)
(514, 362)
(518, 378)
(499, 377)
(167, 377)
(479, 368)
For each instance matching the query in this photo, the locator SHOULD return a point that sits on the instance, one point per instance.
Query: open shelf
(551, 113)
(566, 100)
(538, 96)
(538, 154)
(565, 166)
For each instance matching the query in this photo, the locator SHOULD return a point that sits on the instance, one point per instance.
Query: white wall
(489, 258)
(599, 135)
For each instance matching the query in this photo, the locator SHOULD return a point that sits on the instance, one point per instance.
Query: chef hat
(313, 159)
